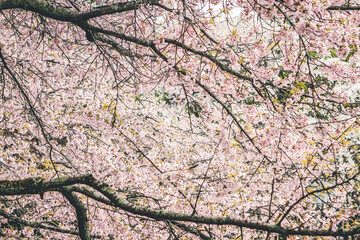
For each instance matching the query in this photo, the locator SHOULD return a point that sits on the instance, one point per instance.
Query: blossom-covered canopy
(164, 119)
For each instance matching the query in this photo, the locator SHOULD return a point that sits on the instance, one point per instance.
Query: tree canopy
(164, 119)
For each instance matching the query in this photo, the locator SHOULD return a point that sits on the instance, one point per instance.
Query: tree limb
(39, 186)
(82, 219)
(39, 224)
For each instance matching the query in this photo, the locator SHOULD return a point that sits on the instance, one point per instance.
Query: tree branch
(39, 186)
(233, 117)
(313, 193)
(344, 8)
(39, 224)
(114, 8)
(82, 220)
(191, 230)
(47, 9)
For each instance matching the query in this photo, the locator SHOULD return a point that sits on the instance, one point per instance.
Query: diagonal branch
(233, 117)
(142, 152)
(210, 57)
(31, 107)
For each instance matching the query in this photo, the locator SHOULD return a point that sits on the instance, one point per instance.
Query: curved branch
(64, 14)
(39, 186)
(82, 220)
(41, 7)
(47, 9)
(313, 193)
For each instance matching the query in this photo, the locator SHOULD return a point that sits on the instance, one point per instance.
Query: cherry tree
(163, 119)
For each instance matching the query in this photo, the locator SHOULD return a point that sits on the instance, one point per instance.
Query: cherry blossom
(162, 119)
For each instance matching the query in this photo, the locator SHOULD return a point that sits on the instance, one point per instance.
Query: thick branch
(39, 186)
(115, 8)
(216, 220)
(47, 9)
(82, 220)
(344, 8)
(42, 7)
